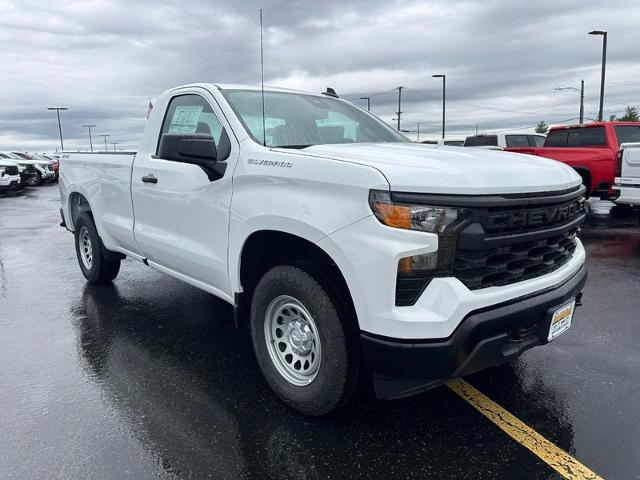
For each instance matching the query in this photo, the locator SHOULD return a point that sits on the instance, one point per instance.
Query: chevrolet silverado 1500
(349, 252)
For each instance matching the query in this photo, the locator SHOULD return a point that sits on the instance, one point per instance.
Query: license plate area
(561, 319)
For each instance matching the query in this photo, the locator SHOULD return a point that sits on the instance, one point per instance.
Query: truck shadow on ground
(169, 359)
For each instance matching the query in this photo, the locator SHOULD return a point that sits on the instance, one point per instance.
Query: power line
(371, 95)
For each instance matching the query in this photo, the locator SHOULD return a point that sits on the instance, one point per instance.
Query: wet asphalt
(148, 379)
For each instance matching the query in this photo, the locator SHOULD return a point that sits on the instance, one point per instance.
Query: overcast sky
(503, 58)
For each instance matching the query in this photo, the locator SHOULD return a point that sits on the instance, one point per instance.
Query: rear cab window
(577, 137)
(481, 141)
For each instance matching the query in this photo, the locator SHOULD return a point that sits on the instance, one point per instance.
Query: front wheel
(305, 342)
(95, 261)
(35, 180)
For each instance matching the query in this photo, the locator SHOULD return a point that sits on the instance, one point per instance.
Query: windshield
(297, 120)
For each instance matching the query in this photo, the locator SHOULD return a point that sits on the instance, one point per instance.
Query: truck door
(182, 217)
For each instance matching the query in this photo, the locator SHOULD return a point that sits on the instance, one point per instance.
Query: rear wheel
(305, 341)
(96, 263)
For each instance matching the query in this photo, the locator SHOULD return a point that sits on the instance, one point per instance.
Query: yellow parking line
(556, 458)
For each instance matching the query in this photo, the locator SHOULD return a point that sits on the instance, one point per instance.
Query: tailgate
(630, 168)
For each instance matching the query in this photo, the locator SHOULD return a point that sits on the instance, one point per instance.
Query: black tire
(103, 267)
(36, 181)
(341, 374)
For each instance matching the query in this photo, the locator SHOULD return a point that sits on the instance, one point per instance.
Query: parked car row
(19, 170)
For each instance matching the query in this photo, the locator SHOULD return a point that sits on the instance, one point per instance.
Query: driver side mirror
(194, 148)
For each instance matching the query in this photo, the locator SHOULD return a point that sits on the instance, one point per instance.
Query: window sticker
(185, 119)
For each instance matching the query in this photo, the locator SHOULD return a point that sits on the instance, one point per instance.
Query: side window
(191, 114)
(517, 141)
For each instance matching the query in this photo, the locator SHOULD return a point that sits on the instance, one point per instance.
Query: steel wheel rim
(292, 340)
(86, 251)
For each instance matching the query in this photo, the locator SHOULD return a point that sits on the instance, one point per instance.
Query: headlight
(1, 172)
(415, 272)
(426, 218)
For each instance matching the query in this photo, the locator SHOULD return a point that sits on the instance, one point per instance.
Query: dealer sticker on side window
(561, 319)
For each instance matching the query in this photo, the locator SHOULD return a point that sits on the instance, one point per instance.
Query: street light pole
(90, 139)
(57, 109)
(114, 145)
(399, 105)
(368, 99)
(418, 139)
(604, 62)
(105, 140)
(444, 96)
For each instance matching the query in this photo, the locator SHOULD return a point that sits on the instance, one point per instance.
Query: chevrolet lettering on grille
(533, 218)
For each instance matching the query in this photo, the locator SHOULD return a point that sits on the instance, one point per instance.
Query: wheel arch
(585, 174)
(77, 203)
(264, 249)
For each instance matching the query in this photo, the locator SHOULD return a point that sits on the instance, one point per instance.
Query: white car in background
(9, 175)
(26, 171)
(451, 142)
(506, 140)
(44, 168)
(446, 142)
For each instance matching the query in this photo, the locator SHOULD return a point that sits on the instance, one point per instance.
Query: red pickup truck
(592, 149)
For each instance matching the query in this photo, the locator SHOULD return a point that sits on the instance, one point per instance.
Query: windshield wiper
(291, 146)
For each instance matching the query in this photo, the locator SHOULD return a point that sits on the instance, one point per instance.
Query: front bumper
(8, 182)
(485, 337)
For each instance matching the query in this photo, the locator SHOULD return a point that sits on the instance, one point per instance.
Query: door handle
(150, 178)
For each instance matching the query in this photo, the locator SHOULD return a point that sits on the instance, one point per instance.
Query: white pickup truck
(627, 181)
(349, 252)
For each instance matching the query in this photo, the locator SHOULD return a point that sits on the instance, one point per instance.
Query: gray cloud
(503, 59)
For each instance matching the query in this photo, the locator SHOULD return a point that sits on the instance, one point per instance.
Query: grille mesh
(513, 263)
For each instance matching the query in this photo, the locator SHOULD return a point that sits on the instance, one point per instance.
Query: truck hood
(413, 167)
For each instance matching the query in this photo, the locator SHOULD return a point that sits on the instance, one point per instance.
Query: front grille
(11, 170)
(30, 169)
(518, 240)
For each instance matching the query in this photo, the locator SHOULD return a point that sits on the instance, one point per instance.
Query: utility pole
(57, 109)
(368, 99)
(418, 139)
(444, 84)
(105, 140)
(476, 128)
(90, 139)
(114, 145)
(604, 63)
(399, 112)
